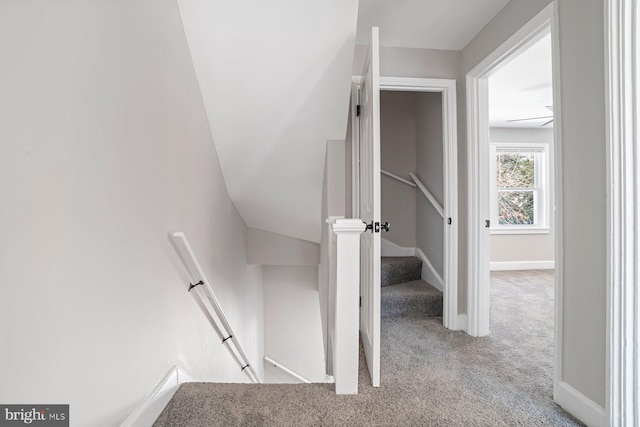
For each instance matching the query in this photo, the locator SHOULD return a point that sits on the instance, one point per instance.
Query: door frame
(447, 87)
(622, 59)
(546, 22)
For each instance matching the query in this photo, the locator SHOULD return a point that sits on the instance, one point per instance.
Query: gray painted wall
(398, 156)
(106, 148)
(430, 170)
(267, 248)
(409, 62)
(584, 195)
(526, 247)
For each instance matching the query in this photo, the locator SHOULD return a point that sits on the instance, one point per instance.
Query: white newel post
(347, 307)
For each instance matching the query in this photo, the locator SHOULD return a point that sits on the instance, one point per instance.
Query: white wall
(106, 148)
(267, 248)
(398, 156)
(334, 203)
(293, 330)
(526, 247)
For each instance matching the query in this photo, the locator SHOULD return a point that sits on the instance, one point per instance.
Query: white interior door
(370, 208)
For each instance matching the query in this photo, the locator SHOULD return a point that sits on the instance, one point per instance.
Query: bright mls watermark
(34, 415)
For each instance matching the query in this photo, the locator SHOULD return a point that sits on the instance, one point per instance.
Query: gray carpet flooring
(430, 376)
(399, 269)
(410, 299)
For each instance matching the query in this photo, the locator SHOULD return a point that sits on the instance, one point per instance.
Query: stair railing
(417, 183)
(397, 178)
(427, 194)
(287, 370)
(201, 289)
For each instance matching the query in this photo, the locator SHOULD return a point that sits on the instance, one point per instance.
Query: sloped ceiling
(275, 78)
(425, 24)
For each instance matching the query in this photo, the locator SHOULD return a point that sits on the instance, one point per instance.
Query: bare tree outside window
(516, 182)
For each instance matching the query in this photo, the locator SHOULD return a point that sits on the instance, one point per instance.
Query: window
(519, 183)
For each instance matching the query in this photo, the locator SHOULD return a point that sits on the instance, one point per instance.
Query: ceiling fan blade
(550, 121)
(531, 118)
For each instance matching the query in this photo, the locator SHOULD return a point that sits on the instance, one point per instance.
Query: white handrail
(427, 194)
(203, 290)
(397, 178)
(287, 370)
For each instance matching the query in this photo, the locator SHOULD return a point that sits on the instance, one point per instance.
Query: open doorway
(412, 196)
(430, 212)
(514, 200)
(521, 198)
(366, 176)
(521, 162)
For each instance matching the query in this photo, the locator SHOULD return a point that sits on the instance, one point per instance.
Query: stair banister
(344, 282)
(427, 194)
(208, 301)
(417, 183)
(397, 178)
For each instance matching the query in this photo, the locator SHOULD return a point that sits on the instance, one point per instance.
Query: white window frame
(541, 194)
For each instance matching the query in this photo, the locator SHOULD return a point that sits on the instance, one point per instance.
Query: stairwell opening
(411, 149)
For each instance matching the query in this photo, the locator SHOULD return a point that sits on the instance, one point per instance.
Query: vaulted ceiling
(275, 78)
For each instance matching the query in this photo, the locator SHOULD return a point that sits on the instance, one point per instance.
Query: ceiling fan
(549, 107)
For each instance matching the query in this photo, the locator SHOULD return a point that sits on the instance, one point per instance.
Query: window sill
(528, 230)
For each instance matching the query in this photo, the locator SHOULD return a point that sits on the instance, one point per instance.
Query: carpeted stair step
(411, 299)
(399, 269)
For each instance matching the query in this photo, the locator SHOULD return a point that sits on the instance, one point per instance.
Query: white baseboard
(148, 411)
(461, 323)
(522, 265)
(388, 248)
(580, 406)
(429, 273)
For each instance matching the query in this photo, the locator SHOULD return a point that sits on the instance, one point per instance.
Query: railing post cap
(333, 219)
(352, 225)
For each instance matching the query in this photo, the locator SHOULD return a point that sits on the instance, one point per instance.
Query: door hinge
(449, 221)
(487, 223)
(360, 302)
(358, 110)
